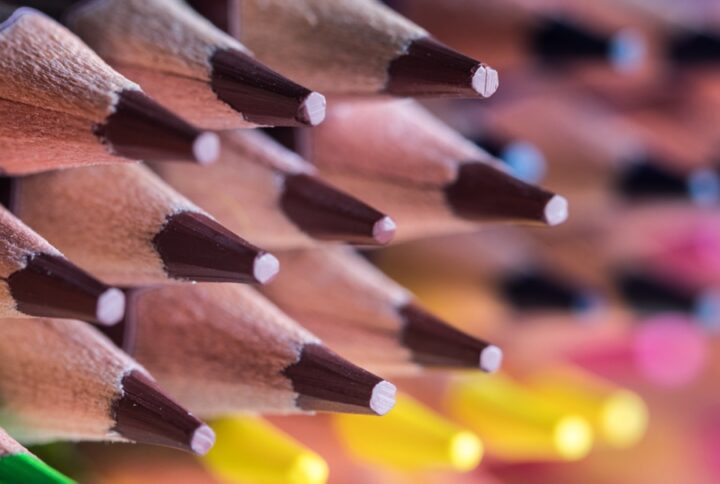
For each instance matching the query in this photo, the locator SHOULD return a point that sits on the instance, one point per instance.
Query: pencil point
(325, 213)
(383, 397)
(483, 192)
(556, 210)
(433, 342)
(193, 246)
(485, 81)
(384, 230)
(51, 286)
(327, 383)
(206, 148)
(202, 441)
(111, 307)
(266, 268)
(144, 414)
(265, 97)
(312, 109)
(491, 359)
(429, 68)
(141, 129)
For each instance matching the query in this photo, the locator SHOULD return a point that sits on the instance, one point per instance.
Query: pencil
(62, 380)
(694, 48)
(251, 449)
(355, 47)
(45, 66)
(273, 197)
(368, 318)
(17, 465)
(37, 280)
(223, 348)
(191, 66)
(426, 175)
(141, 233)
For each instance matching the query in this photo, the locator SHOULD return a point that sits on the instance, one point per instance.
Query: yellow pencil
(411, 437)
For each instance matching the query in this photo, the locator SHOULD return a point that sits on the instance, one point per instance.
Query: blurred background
(607, 322)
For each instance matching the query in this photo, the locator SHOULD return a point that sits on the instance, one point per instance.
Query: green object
(28, 469)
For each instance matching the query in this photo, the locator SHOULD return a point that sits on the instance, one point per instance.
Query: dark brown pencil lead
(326, 382)
(50, 286)
(261, 94)
(429, 68)
(142, 129)
(193, 246)
(145, 415)
(484, 192)
(326, 213)
(220, 12)
(433, 342)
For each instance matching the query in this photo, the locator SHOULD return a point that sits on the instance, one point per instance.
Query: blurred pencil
(141, 234)
(355, 47)
(427, 176)
(224, 349)
(274, 198)
(414, 438)
(47, 67)
(62, 380)
(251, 450)
(368, 318)
(17, 465)
(191, 66)
(517, 424)
(37, 280)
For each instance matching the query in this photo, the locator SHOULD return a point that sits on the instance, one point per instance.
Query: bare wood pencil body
(18, 465)
(62, 380)
(368, 318)
(409, 164)
(122, 223)
(223, 348)
(45, 66)
(37, 280)
(272, 196)
(355, 47)
(197, 70)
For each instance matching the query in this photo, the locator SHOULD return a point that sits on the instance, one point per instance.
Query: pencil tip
(556, 210)
(483, 192)
(384, 230)
(429, 68)
(193, 246)
(202, 440)
(146, 415)
(485, 81)
(433, 342)
(265, 97)
(491, 359)
(326, 382)
(111, 307)
(51, 286)
(326, 213)
(312, 109)
(383, 397)
(206, 148)
(266, 268)
(141, 129)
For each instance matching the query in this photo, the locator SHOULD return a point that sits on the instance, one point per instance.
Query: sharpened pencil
(18, 466)
(223, 348)
(354, 47)
(368, 318)
(426, 175)
(273, 197)
(191, 66)
(62, 380)
(37, 280)
(125, 225)
(45, 66)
